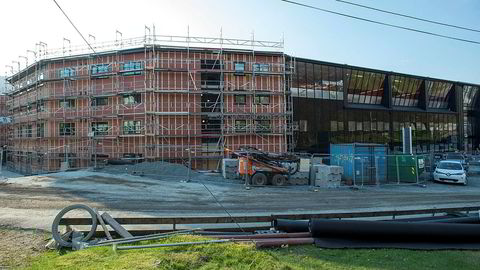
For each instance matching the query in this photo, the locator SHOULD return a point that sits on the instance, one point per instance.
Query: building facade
(195, 105)
(336, 103)
(176, 104)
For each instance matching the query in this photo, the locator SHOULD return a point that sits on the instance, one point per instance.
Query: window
(261, 67)
(41, 106)
(262, 99)
(239, 68)
(131, 127)
(132, 99)
(132, 68)
(100, 69)
(67, 129)
(240, 125)
(67, 72)
(40, 130)
(100, 101)
(240, 99)
(263, 125)
(29, 131)
(100, 128)
(69, 103)
(211, 64)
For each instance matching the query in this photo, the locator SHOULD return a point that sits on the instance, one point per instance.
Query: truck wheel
(259, 179)
(279, 180)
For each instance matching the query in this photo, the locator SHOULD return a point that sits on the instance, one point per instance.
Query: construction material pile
(157, 169)
(326, 176)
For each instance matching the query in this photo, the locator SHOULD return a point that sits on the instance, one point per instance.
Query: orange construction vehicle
(261, 168)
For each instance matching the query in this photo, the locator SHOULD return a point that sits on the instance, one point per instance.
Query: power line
(409, 16)
(381, 23)
(73, 25)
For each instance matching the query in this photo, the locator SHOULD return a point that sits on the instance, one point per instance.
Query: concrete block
(304, 165)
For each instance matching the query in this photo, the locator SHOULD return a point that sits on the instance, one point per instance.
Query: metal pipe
(175, 244)
(141, 238)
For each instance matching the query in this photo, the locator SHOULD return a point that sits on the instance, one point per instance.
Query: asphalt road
(34, 201)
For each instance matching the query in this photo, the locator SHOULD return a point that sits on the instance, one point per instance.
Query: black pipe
(470, 219)
(290, 226)
(397, 231)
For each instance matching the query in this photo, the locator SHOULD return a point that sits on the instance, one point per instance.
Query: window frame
(61, 103)
(137, 99)
(95, 126)
(133, 129)
(239, 72)
(70, 127)
(236, 102)
(259, 99)
(95, 102)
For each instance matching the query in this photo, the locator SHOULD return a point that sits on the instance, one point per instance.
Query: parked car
(450, 171)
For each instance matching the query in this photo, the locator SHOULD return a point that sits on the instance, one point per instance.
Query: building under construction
(194, 100)
(191, 101)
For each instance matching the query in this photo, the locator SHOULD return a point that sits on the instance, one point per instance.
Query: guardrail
(258, 222)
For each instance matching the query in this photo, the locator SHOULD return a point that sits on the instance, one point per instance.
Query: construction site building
(140, 100)
(4, 122)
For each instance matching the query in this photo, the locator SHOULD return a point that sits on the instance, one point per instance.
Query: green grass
(245, 256)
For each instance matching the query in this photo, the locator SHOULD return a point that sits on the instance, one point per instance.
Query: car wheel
(466, 182)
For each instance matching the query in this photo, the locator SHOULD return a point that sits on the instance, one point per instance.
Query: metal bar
(116, 226)
(105, 229)
(175, 244)
(269, 218)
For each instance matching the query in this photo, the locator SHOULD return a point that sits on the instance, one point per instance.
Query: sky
(307, 33)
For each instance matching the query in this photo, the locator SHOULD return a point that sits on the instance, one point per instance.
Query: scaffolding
(150, 98)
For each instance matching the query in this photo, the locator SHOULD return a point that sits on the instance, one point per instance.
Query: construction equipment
(262, 168)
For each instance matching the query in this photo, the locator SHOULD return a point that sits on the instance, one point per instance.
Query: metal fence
(362, 169)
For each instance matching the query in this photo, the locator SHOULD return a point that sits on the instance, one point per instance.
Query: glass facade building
(335, 103)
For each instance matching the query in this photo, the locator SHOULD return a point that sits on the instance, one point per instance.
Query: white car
(450, 171)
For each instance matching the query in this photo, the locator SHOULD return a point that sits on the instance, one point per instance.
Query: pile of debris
(157, 170)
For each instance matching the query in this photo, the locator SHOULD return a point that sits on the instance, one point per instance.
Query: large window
(262, 99)
(261, 68)
(100, 101)
(263, 126)
(131, 127)
(67, 129)
(67, 72)
(29, 131)
(239, 68)
(132, 99)
(100, 69)
(240, 99)
(69, 103)
(132, 68)
(470, 94)
(240, 125)
(438, 94)
(365, 87)
(100, 128)
(405, 91)
(317, 81)
(211, 64)
(40, 130)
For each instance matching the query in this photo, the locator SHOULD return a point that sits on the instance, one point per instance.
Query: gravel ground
(18, 246)
(33, 201)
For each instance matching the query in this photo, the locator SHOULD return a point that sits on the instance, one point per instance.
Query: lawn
(245, 256)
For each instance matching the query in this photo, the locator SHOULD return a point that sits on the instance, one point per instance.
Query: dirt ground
(18, 246)
(33, 201)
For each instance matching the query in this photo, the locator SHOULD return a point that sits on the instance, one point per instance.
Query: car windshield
(454, 157)
(449, 166)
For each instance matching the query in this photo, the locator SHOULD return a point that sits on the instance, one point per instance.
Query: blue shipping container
(362, 163)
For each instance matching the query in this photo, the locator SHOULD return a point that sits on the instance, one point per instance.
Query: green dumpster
(405, 168)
